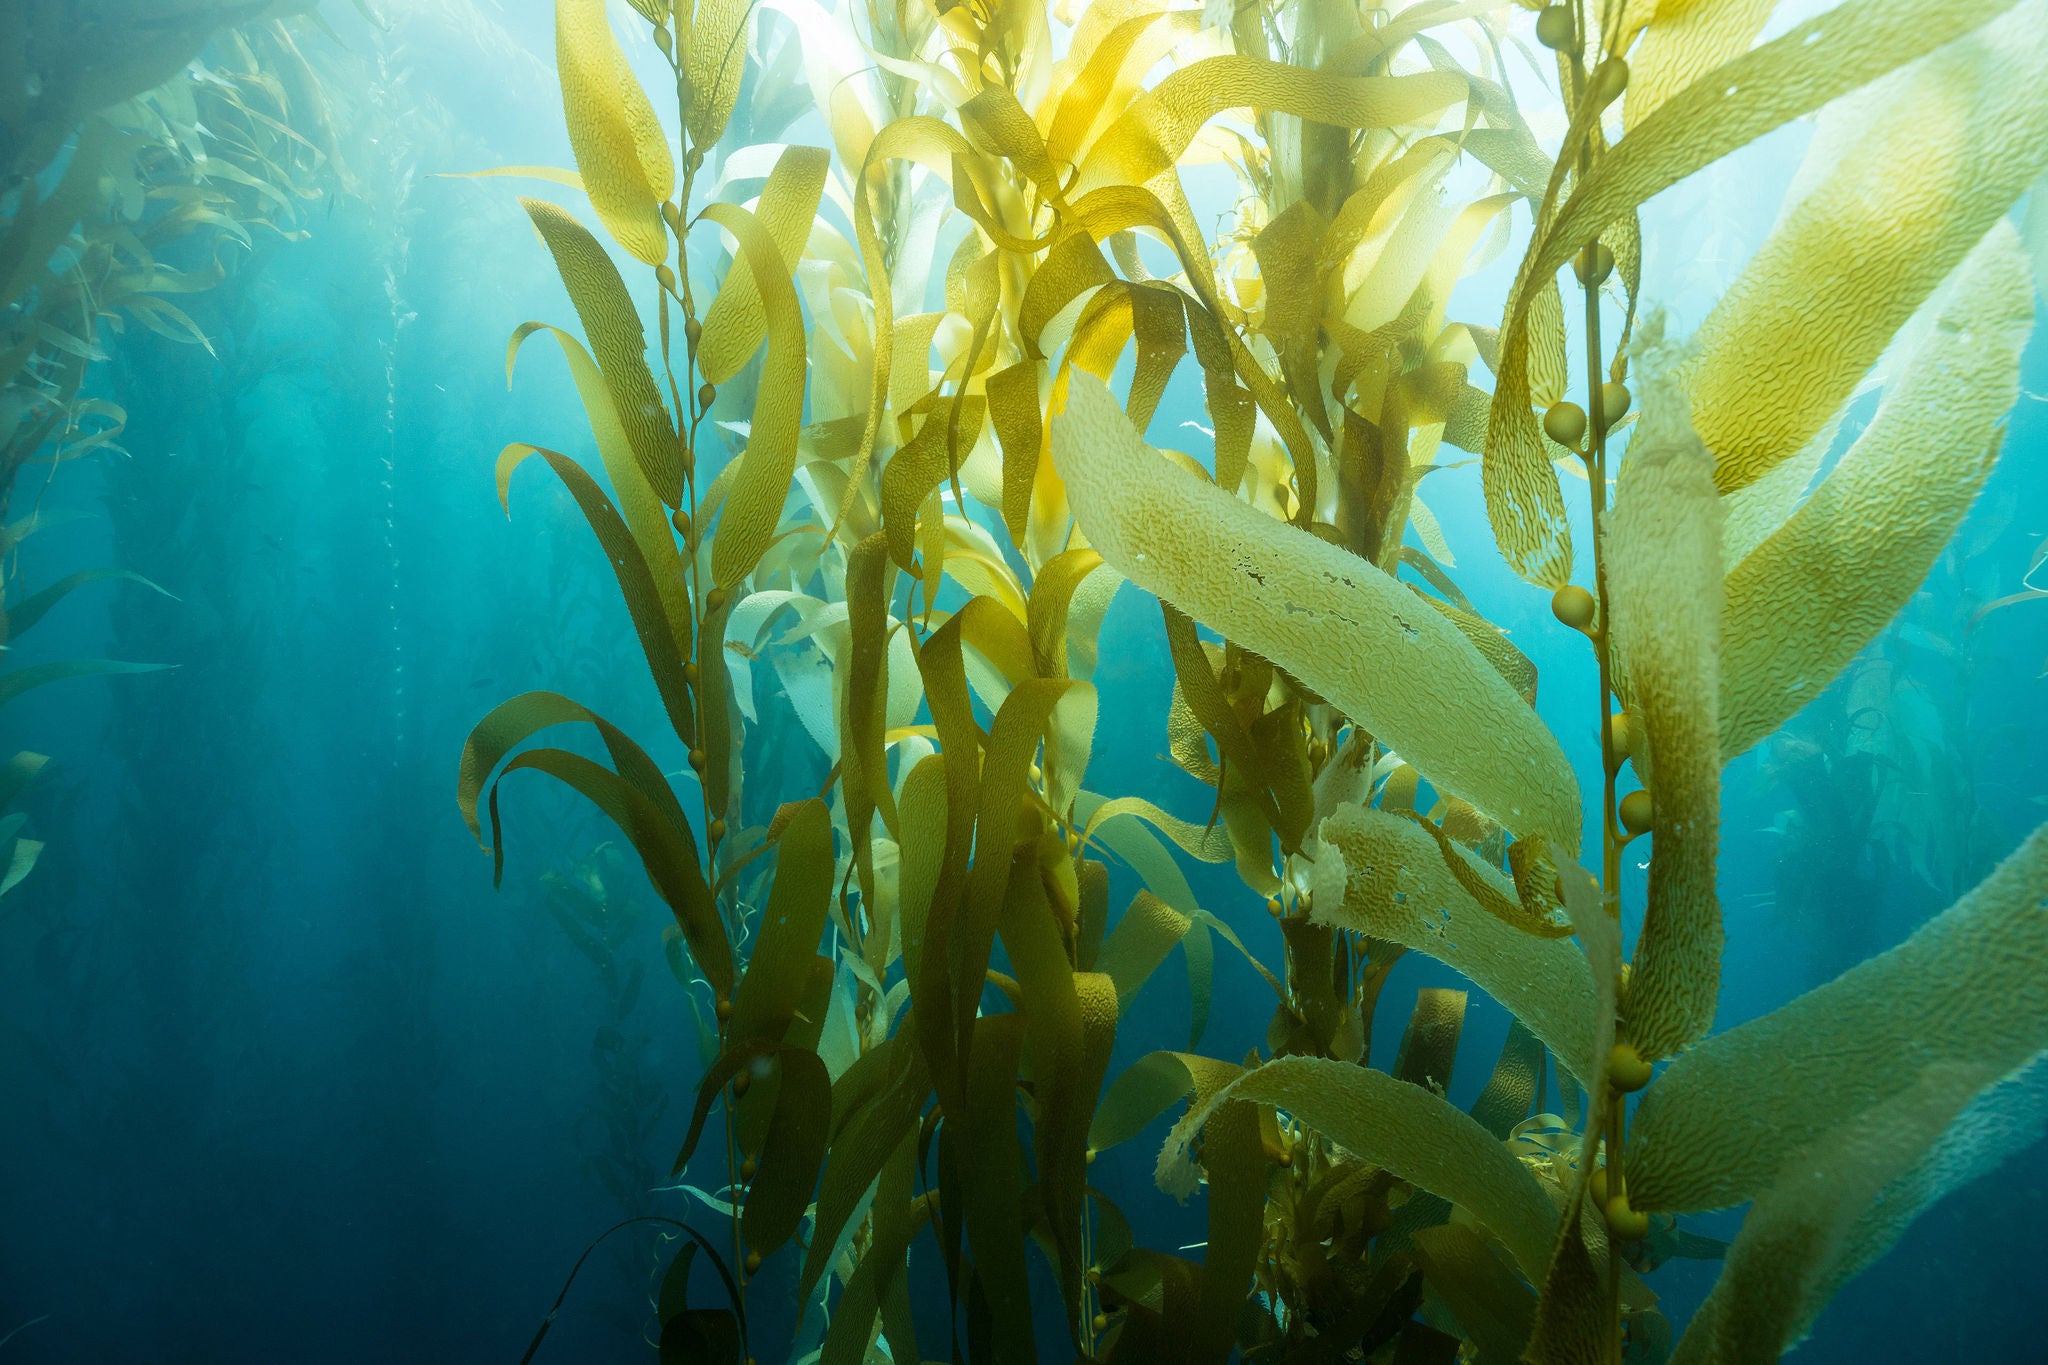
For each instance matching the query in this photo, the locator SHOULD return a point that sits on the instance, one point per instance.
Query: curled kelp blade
(1809, 1230)
(621, 152)
(1966, 990)
(1957, 136)
(1384, 875)
(1348, 631)
(1822, 585)
(1663, 574)
(1737, 102)
(1404, 1128)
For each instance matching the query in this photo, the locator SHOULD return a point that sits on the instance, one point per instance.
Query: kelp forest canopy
(935, 369)
(883, 439)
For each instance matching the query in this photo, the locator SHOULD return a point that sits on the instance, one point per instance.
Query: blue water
(282, 1077)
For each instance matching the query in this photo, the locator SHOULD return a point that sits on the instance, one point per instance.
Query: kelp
(136, 173)
(1330, 621)
(903, 466)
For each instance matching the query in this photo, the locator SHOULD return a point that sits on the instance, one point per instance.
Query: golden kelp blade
(1966, 990)
(1383, 875)
(1405, 1128)
(613, 326)
(761, 484)
(1683, 43)
(619, 146)
(1155, 130)
(1350, 632)
(1947, 146)
(1821, 586)
(736, 321)
(1820, 60)
(1663, 571)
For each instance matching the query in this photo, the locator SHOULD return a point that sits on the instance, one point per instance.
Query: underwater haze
(1031, 680)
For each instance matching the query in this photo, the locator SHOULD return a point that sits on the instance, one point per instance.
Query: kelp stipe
(1381, 781)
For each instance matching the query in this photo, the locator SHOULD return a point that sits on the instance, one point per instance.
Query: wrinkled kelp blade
(1663, 571)
(1945, 147)
(1966, 990)
(1822, 585)
(1348, 631)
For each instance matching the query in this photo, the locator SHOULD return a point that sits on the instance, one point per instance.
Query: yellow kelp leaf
(1946, 146)
(1405, 1129)
(1821, 586)
(1965, 990)
(620, 149)
(613, 326)
(1686, 41)
(1802, 1231)
(1383, 875)
(1663, 572)
(639, 504)
(736, 320)
(1149, 137)
(921, 816)
(1820, 60)
(1052, 593)
(1113, 69)
(1549, 368)
(754, 505)
(713, 63)
(1349, 632)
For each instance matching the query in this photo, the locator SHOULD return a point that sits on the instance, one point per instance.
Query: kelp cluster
(132, 174)
(914, 973)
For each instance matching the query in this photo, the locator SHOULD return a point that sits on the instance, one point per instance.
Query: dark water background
(282, 1078)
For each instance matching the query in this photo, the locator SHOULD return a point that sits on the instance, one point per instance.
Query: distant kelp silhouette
(1381, 778)
(119, 157)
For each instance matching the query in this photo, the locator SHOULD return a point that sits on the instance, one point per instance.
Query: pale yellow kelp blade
(1947, 145)
(1821, 60)
(1403, 1128)
(1966, 990)
(1348, 631)
(1383, 875)
(1787, 1261)
(620, 149)
(1686, 41)
(1821, 586)
(1663, 570)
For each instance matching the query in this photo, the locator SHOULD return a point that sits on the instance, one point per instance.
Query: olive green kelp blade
(1663, 571)
(1807, 1233)
(1967, 990)
(1383, 875)
(1349, 631)
(1405, 1128)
